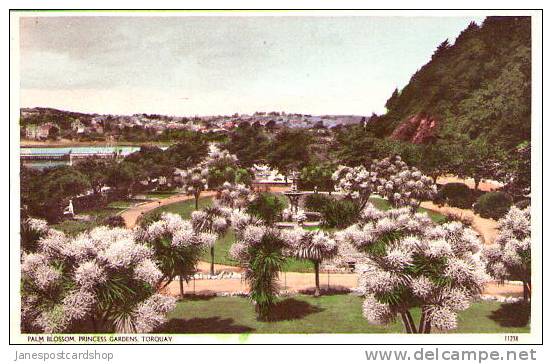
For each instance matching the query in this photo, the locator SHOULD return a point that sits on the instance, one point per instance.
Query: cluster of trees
(45, 193)
(479, 92)
(287, 150)
(103, 280)
(478, 159)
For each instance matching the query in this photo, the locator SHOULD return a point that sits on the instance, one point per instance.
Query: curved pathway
(488, 228)
(295, 281)
(132, 214)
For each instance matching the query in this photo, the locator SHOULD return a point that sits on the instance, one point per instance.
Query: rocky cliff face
(417, 129)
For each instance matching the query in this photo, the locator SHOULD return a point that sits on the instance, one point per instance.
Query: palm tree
(315, 246)
(264, 264)
(210, 220)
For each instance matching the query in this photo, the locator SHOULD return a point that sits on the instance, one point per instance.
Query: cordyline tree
(415, 263)
(222, 167)
(194, 181)
(315, 246)
(211, 220)
(509, 258)
(176, 247)
(260, 251)
(233, 195)
(98, 281)
(402, 185)
(356, 183)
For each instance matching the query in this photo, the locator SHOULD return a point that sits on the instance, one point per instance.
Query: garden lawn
(340, 313)
(97, 217)
(223, 244)
(160, 194)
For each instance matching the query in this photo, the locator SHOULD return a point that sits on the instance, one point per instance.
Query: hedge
(493, 204)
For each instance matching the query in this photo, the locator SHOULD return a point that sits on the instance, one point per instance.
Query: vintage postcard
(262, 176)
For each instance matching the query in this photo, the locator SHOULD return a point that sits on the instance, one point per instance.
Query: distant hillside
(478, 87)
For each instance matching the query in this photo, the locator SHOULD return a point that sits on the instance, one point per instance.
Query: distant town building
(38, 132)
(78, 127)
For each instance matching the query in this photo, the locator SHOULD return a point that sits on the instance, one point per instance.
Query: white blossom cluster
(212, 220)
(194, 180)
(312, 245)
(239, 220)
(251, 235)
(413, 262)
(400, 184)
(355, 183)
(38, 225)
(510, 255)
(219, 157)
(85, 263)
(180, 232)
(234, 195)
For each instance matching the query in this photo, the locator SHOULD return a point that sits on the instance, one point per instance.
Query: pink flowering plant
(176, 246)
(315, 246)
(31, 231)
(355, 183)
(234, 195)
(509, 258)
(412, 262)
(98, 281)
(403, 186)
(194, 181)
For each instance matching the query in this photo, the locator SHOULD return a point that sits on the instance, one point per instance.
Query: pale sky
(221, 65)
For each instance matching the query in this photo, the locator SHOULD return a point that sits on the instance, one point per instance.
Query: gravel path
(294, 281)
(488, 228)
(132, 214)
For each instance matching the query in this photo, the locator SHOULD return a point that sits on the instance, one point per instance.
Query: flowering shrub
(234, 195)
(102, 280)
(194, 181)
(31, 231)
(355, 183)
(414, 263)
(311, 245)
(400, 184)
(223, 167)
(239, 220)
(176, 246)
(260, 251)
(509, 258)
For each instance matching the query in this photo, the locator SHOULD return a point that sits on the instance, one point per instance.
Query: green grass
(223, 244)
(74, 227)
(222, 250)
(340, 313)
(160, 194)
(184, 208)
(222, 247)
(97, 216)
